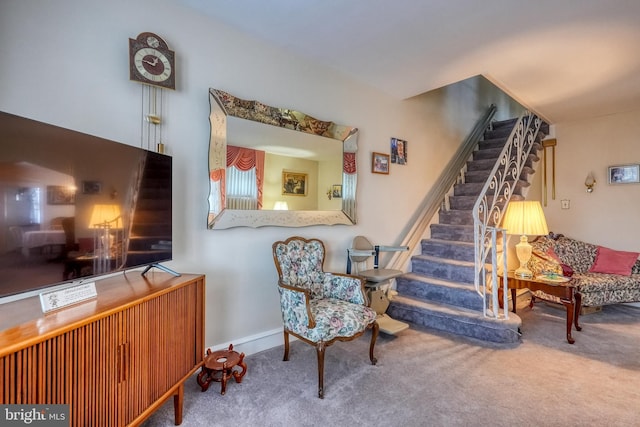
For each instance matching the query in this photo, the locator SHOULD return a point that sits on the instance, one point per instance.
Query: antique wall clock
(152, 63)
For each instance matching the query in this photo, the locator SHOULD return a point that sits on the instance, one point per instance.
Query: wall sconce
(329, 193)
(590, 182)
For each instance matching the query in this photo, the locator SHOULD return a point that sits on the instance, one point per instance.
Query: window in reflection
(245, 176)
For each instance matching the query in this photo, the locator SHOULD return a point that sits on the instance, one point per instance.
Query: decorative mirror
(272, 166)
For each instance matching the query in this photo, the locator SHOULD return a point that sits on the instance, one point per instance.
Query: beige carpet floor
(425, 378)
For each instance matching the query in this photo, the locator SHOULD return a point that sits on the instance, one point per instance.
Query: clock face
(151, 61)
(152, 64)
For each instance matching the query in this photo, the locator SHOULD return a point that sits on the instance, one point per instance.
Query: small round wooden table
(218, 366)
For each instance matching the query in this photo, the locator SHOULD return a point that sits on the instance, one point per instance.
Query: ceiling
(565, 59)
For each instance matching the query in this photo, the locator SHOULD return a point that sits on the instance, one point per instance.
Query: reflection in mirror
(280, 167)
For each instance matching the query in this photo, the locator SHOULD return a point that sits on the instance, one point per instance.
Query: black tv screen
(77, 206)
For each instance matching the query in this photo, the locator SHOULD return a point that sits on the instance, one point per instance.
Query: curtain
(245, 177)
(217, 197)
(350, 181)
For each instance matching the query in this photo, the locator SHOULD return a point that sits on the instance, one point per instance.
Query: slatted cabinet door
(74, 367)
(114, 360)
(160, 345)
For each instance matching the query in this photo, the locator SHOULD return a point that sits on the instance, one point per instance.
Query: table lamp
(524, 218)
(105, 219)
(105, 216)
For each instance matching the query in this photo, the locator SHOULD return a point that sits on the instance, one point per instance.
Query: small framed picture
(380, 163)
(91, 187)
(336, 191)
(624, 174)
(294, 183)
(398, 151)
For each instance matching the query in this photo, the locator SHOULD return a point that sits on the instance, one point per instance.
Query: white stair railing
(489, 209)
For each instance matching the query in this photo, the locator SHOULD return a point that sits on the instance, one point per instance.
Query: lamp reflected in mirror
(280, 206)
(106, 221)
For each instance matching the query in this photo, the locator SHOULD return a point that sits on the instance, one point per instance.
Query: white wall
(65, 62)
(609, 215)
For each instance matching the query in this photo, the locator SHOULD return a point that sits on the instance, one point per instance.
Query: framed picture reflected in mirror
(294, 183)
(336, 191)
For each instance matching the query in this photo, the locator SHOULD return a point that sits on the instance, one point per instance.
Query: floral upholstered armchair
(319, 307)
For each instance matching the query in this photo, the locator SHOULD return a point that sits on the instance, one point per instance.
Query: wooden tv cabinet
(114, 359)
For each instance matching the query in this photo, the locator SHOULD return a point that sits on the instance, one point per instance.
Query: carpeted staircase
(439, 293)
(150, 236)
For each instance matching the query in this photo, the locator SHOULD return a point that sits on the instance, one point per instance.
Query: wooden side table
(568, 292)
(218, 366)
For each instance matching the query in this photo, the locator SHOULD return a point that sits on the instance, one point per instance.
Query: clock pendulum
(152, 63)
(151, 110)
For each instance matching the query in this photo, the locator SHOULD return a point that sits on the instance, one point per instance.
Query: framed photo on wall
(624, 174)
(60, 195)
(380, 163)
(398, 151)
(294, 183)
(91, 187)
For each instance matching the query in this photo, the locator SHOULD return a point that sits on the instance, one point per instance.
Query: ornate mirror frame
(222, 105)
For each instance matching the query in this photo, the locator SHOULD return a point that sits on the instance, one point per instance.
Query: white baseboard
(255, 343)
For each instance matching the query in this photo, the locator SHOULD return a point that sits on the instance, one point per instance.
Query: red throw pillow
(613, 262)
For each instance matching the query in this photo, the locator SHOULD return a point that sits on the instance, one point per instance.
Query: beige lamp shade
(106, 216)
(524, 218)
(281, 206)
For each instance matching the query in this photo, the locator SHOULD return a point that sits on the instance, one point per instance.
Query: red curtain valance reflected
(242, 158)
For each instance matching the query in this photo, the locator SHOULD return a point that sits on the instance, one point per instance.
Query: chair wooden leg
(320, 351)
(374, 337)
(286, 346)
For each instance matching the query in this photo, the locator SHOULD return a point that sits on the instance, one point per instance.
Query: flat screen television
(77, 206)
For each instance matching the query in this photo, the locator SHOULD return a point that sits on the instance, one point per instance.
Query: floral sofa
(606, 276)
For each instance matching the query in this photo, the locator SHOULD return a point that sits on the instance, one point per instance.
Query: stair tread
(453, 210)
(505, 122)
(444, 260)
(451, 242)
(440, 307)
(466, 226)
(449, 310)
(435, 281)
(497, 140)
